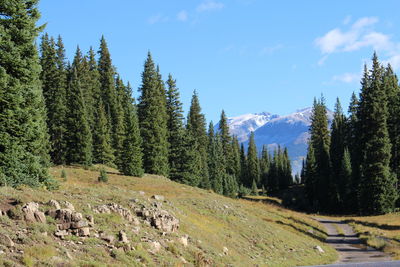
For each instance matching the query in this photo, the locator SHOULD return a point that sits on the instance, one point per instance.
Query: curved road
(352, 252)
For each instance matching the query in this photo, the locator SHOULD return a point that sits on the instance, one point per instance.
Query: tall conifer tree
(377, 193)
(23, 136)
(253, 166)
(53, 77)
(152, 112)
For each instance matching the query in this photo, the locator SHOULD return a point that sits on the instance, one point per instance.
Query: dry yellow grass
(254, 233)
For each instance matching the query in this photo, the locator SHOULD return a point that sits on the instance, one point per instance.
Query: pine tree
(377, 192)
(102, 150)
(230, 186)
(217, 169)
(131, 152)
(353, 136)
(175, 128)
(320, 140)
(338, 136)
(243, 166)
(254, 189)
(120, 122)
(196, 125)
(110, 96)
(264, 166)
(287, 169)
(152, 113)
(392, 89)
(253, 167)
(53, 78)
(345, 176)
(226, 140)
(102, 146)
(79, 139)
(23, 136)
(236, 162)
(310, 177)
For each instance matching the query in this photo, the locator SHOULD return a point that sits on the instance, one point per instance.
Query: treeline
(62, 113)
(354, 166)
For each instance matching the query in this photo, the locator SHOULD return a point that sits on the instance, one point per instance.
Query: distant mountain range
(289, 131)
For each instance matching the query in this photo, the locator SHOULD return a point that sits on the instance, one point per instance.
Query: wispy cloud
(356, 37)
(360, 34)
(269, 50)
(347, 77)
(209, 5)
(182, 16)
(157, 19)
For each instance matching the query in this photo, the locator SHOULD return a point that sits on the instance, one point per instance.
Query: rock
(136, 229)
(158, 218)
(69, 205)
(158, 197)
(40, 217)
(63, 226)
(108, 238)
(6, 241)
(29, 210)
(76, 217)
(225, 250)
(319, 249)
(61, 233)
(85, 231)
(79, 224)
(113, 207)
(54, 203)
(141, 193)
(184, 240)
(155, 246)
(122, 237)
(90, 218)
(183, 260)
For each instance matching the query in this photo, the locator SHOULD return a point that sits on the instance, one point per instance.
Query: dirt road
(349, 246)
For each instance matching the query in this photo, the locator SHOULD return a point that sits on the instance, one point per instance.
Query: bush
(64, 174)
(103, 176)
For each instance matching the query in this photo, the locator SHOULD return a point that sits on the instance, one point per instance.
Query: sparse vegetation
(253, 232)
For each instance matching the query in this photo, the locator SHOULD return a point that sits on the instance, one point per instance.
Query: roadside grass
(222, 231)
(339, 230)
(381, 232)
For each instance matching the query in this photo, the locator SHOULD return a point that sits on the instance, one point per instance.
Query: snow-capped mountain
(289, 131)
(242, 125)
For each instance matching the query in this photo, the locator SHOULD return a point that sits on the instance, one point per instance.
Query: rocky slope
(149, 221)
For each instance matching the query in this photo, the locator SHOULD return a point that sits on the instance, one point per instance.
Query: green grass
(255, 232)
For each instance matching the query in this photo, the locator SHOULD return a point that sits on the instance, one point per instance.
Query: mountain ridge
(274, 130)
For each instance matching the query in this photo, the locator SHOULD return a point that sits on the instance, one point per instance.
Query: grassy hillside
(221, 231)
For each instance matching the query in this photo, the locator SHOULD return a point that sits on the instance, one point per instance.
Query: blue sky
(243, 56)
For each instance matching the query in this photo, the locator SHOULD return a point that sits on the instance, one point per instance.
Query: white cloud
(337, 40)
(360, 34)
(347, 77)
(209, 5)
(182, 16)
(157, 18)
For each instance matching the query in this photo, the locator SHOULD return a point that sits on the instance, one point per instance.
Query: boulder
(61, 233)
(225, 250)
(122, 237)
(319, 249)
(158, 197)
(54, 204)
(85, 231)
(108, 238)
(29, 210)
(69, 205)
(39, 216)
(155, 246)
(116, 208)
(184, 240)
(6, 241)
